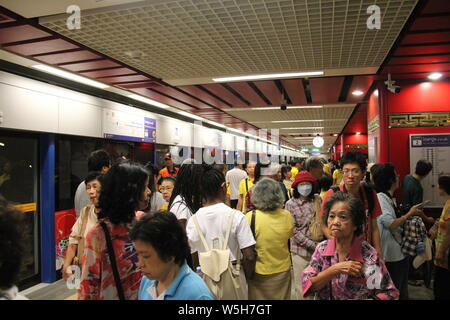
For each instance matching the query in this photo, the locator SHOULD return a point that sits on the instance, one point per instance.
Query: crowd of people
(332, 230)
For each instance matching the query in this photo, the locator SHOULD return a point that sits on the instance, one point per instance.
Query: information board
(123, 126)
(436, 149)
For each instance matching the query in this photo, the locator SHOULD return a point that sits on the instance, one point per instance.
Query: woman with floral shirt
(346, 267)
(301, 207)
(124, 191)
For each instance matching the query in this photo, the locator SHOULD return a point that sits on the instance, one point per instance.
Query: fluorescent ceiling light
(70, 76)
(301, 128)
(435, 76)
(304, 138)
(286, 121)
(357, 93)
(216, 124)
(288, 107)
(269, 76)
(193, 116)
(149, 101)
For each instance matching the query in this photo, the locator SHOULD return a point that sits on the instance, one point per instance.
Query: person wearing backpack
(354, 169)
(390, 224)
(217, 223)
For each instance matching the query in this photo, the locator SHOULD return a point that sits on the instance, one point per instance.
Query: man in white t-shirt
(234, 177)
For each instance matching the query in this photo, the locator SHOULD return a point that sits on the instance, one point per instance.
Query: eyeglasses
(353, 171)
(162, 189)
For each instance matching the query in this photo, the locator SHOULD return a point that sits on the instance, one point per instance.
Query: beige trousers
(275, 286)
(299, 264)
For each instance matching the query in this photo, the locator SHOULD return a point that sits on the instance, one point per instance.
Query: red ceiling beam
(17, 43)
(80, 61)
(56, 52)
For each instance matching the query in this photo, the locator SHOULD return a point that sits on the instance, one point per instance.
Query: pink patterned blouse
(376, 283)
(97, 280)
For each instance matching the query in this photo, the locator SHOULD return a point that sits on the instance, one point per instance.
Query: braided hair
(188, 185)
(211, 184)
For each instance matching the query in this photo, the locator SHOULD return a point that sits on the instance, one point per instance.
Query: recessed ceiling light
(70, 76)
(269, 76)
(288, 107)
(335, 135)
(357, 93)
(149, 101)
(435, 76)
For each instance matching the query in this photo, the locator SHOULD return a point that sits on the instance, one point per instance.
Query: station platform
(59, 291)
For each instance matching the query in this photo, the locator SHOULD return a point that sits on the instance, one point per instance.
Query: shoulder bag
(315, 227)
(112, 259)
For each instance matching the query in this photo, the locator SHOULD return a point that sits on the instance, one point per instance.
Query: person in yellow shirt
(442, 241)
(337, 175)
(272, 228)
(245, 185)
(296, 167)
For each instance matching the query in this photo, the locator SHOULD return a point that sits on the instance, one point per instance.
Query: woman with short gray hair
(272, 228)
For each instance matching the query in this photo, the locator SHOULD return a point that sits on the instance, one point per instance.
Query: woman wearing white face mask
(301, 207)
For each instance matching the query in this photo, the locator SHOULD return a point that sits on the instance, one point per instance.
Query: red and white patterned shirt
(97, 280)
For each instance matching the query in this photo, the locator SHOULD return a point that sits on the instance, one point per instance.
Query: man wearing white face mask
(301, 207)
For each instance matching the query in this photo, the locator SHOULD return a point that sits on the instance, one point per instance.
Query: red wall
(419, 97)
(355, 139)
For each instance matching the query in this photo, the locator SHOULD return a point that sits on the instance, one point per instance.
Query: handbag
(112, 259)
(84, 216)
(315, 227)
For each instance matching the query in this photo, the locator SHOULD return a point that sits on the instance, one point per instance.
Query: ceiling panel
(124, 79)
(20, 33)
(42, 47)
(188, 39)
(247, 92)
(436, 6)
(340, 112)
(183, 97)
(414, 38)
(431, 23)
(163, 99)
(416, 60)
(326, 90)
(68, 57)
(203, 95)
(225, 94)
(295, 90)
(420, 68)
(270, 90)
(421, 75)
(106, 73)
(445, 48)
(362, 83)
(94, 65)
